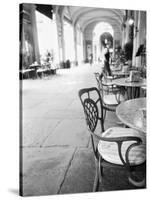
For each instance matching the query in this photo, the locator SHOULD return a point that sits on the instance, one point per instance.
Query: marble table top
(125, 82)
(120, 73)
(130, 113)
(26, 70)
(34, 65)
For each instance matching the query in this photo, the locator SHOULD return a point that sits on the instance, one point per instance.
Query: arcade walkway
(56, 146)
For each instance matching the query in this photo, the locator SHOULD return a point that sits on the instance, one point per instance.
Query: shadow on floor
(116, 179)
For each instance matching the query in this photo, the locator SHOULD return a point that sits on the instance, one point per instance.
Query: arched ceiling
(84, 15)
(94, 21)
(90, 27)
(90, 13)
(86, 18)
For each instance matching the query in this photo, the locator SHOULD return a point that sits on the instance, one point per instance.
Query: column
(135, 41)
(141, 31)
(123, 35)
(62, 39)
(35, 36)
(58, 32)
(138, 59)
(84, 48)
(113, 46)
(141, 34)
(75, 45)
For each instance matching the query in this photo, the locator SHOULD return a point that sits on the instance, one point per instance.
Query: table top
(34, 65)
(129, 112)
(120, 73)
(42, 70)
(127, 83)
(26, 70)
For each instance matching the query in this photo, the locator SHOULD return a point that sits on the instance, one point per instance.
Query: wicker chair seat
(109, 151)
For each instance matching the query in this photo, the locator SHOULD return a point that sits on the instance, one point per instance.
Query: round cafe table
(129, 112)
(35, 66)
(131, 88)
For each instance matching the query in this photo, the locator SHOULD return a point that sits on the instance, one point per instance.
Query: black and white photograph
(82, 73)
(75, 99)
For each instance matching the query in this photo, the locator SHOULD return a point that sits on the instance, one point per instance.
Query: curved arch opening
(103, 35)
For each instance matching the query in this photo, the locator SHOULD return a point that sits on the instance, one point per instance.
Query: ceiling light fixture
(131, 21)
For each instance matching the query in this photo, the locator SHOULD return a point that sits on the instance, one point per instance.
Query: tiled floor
(57, 155)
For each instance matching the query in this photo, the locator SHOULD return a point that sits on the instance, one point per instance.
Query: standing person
(106, 61)
(91, 59)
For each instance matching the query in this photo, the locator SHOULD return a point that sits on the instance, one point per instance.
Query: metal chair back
(92, 105)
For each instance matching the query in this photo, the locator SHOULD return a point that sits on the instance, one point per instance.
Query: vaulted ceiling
(88, 17)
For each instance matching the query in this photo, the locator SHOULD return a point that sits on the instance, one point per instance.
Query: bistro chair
(111, 94)
(114, 147)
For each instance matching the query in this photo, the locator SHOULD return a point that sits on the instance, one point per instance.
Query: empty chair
(114, 147)
(111, 95)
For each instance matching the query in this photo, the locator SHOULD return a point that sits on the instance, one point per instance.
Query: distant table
(132, 88)
(129, 112)
(125, 82)
(26, 70)
(26, 73)
(35, 66)
(120, 73)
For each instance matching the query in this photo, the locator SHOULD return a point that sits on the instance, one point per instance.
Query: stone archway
(103, 33)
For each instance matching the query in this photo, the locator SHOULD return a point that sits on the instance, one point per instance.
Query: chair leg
(139, 183)
(96, 179)
(104, 115)
(100, 174)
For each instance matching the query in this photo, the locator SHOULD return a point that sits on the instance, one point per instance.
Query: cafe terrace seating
(38, 71)
(114, 147)
(110, 94)
(27, 73)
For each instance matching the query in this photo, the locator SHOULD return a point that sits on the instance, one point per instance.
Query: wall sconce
(131, 21)
(131, 24)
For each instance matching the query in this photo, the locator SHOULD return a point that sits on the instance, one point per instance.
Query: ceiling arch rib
(61, 10)
(91, 26)
(103, 27)
(83, 13)
(116, 30)
(105, 18)
(97, 20)
(76, 11)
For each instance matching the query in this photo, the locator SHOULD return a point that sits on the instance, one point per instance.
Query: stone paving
(56, 149)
